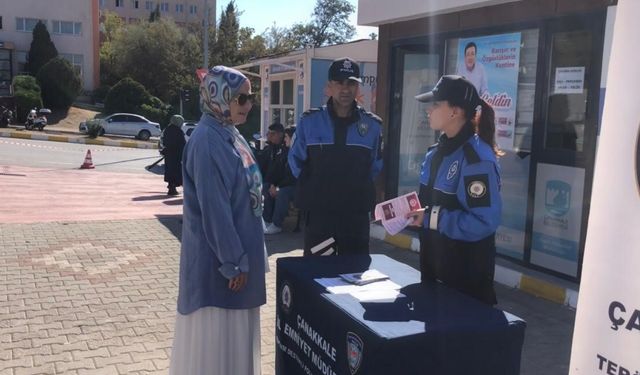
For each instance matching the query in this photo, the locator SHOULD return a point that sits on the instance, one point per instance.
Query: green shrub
(59, 83)
(158, 115)
(126, 96)
(27, 94)
(93, 128)
(100, 93)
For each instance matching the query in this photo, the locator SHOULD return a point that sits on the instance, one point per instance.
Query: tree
(278, 40)
(225, 51)
(110, 26)
(329, 24)
(42, 49)
(126, 96)
(159, 55)
(59, 83)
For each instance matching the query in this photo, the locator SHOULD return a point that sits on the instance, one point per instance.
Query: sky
(261, 14)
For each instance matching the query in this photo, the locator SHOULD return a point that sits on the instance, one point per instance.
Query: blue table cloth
(431, 330)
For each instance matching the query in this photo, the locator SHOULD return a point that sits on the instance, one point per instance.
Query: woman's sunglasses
(244, 98)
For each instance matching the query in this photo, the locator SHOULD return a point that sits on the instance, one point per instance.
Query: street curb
(10, 133)
(503, 275)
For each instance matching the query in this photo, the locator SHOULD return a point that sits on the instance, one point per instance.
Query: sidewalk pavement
(99, 298)
(74, 137)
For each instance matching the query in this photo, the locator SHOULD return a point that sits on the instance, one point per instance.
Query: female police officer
(459, 190)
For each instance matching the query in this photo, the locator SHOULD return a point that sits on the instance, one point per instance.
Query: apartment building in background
(181, 11)
(74, 29)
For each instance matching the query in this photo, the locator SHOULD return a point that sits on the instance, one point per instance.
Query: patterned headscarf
(218, 88)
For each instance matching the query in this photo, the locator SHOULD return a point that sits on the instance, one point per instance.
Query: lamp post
(206, 35)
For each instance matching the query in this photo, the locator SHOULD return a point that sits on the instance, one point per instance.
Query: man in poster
(473, 70)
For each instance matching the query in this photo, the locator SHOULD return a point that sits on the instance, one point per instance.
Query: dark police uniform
(460, 188)
(336, 161)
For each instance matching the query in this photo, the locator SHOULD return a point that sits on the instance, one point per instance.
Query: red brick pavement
(46, 195)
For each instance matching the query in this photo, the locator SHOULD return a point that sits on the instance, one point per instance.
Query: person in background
(281, 184)
(266, 158)
(223, 258)
(172, 141)
(459, 191)
(336, 154)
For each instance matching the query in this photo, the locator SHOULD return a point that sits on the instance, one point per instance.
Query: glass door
(282, 103)
(418, 68)
(565, 144)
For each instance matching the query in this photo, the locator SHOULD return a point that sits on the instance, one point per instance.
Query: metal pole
(206, 35)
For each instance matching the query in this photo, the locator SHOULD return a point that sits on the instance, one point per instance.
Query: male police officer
(336, 155)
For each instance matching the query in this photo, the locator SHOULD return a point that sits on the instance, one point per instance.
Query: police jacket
(460, 186)
(336, 160)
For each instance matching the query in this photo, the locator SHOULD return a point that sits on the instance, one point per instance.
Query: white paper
(392, 213)
(569, 80)
(377, 295)
(336, 285)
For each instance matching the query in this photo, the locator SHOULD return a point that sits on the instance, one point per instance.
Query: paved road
(60, 155)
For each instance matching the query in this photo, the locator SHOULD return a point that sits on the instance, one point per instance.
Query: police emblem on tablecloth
(363, 129)
(355, 348)
(286, 297)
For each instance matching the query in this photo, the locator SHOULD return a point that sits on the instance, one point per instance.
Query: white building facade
(72, 24)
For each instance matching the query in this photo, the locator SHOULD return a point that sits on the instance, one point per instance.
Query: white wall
(377, 12)
(60, 10)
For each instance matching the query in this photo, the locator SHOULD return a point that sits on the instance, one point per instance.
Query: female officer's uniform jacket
(460, 188)
(335, 162)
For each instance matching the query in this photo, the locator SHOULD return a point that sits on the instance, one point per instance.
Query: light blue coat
(221, 236)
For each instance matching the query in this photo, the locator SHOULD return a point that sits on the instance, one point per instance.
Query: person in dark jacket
(265, 158)
(336, 154)
(172, 145)
(459, 191)
(281, 185)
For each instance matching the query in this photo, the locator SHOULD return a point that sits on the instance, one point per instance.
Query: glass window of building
(27, 24)
(67, 27)
(179, 8)
(119, 3)
(164, 7)
(148, 5)
(193, 9)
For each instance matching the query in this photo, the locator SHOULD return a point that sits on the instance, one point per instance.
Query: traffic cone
(88, 163)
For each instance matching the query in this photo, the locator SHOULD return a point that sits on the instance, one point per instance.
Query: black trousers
(349, 230)
(466, 266)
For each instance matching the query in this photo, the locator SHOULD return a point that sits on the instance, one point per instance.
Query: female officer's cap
(457, 90)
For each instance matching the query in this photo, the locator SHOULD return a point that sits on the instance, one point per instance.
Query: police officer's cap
(343, 69)
(457, 90)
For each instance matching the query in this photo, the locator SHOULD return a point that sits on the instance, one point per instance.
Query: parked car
(187, 128)
(126, 124)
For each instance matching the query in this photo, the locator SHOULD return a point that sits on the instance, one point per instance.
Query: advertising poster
(606, 337)
(491, 63)
(557, 218)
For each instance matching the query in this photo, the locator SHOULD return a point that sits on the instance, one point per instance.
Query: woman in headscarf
(223, 258)
(172, 146)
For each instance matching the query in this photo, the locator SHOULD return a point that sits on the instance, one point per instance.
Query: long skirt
(215, 341)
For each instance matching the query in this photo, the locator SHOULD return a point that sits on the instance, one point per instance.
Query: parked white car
(126, 124)
(187, 128)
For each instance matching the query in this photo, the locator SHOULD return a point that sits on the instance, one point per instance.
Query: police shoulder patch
(311, 111)
(373, 116)
(477, 190)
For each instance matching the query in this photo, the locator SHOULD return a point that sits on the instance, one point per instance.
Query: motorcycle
(6, 115)
(37, 119)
